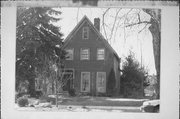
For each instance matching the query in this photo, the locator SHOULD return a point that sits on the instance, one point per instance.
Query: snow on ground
(84, 104)
(66, 109)
(126, 99)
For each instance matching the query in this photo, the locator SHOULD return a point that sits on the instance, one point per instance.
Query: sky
(123, 40)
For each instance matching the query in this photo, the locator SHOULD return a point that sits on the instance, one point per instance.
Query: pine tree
(133, 77)
(38, 43)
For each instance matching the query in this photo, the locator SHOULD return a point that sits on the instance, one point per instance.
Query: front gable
(95, 38)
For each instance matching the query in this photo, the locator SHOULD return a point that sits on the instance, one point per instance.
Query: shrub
(22, 102)
(37, 94)
(72, 92)
(111, 83)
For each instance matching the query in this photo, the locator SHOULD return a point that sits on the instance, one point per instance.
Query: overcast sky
(123, 40)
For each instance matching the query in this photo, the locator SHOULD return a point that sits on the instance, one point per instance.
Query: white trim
(89, 81)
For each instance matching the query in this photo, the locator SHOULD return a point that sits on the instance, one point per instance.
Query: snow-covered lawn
(67, 109)
(83, 103)
(126, 99)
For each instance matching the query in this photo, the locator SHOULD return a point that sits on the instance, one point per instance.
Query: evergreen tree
(133, 78)
(38, 43)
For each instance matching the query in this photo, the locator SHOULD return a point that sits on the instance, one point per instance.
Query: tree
(133, 77)
(111, 83)
(126, 21)
(38, 44)
(132, 19)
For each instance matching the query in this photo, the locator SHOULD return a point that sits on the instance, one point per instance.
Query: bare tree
(131, 19)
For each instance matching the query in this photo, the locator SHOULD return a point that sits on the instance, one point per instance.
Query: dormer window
(85, 34)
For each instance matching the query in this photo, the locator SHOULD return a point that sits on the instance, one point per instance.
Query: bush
(72, 92)
(18, 95)
(22, 102)
(37, 94)
(111, 84)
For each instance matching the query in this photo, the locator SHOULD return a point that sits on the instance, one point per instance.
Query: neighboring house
(90, 59)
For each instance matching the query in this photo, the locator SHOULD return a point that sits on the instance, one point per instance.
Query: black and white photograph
(88, 59)
(84, 59)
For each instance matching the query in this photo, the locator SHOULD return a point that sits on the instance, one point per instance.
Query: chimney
(97, 23)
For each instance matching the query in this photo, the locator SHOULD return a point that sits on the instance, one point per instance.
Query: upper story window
(85, 34)
(100, 54)
(70, 53)
(84, 54)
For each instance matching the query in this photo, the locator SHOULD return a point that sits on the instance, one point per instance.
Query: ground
(84, 103)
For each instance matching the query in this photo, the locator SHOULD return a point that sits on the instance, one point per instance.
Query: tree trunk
(156, 35)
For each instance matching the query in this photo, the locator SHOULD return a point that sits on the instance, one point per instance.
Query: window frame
(104, 73)
(72, 53)
(81, 55)
(100, 54)
(88, 80)
(83, 32)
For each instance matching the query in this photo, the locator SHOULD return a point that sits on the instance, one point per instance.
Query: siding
(92, 65)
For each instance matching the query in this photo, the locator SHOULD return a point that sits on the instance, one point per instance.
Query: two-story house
(90, 59)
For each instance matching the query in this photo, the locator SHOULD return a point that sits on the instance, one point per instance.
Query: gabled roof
(83, 20)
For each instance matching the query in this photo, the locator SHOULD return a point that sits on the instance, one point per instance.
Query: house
(90, 58)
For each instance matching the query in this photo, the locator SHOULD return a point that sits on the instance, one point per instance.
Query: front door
(67, 81)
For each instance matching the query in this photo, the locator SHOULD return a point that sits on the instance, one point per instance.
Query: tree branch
(129, 25)
(143, 28)
(114, 24)
(104, 23)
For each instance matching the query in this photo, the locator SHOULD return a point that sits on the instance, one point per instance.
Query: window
(101, 82)
(85, 33)
(85, 81)
(100, 54)
(84, 54)
(69, 55)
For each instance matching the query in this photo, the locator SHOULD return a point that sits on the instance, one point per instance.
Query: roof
(85, 18)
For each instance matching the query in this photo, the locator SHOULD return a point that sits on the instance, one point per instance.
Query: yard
(85, 103)
(101, 101)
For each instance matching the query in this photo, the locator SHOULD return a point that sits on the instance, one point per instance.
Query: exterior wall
(117, 74)
(92, 65)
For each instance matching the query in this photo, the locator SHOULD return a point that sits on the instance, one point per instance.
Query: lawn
(84, 103)
(97, 101)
